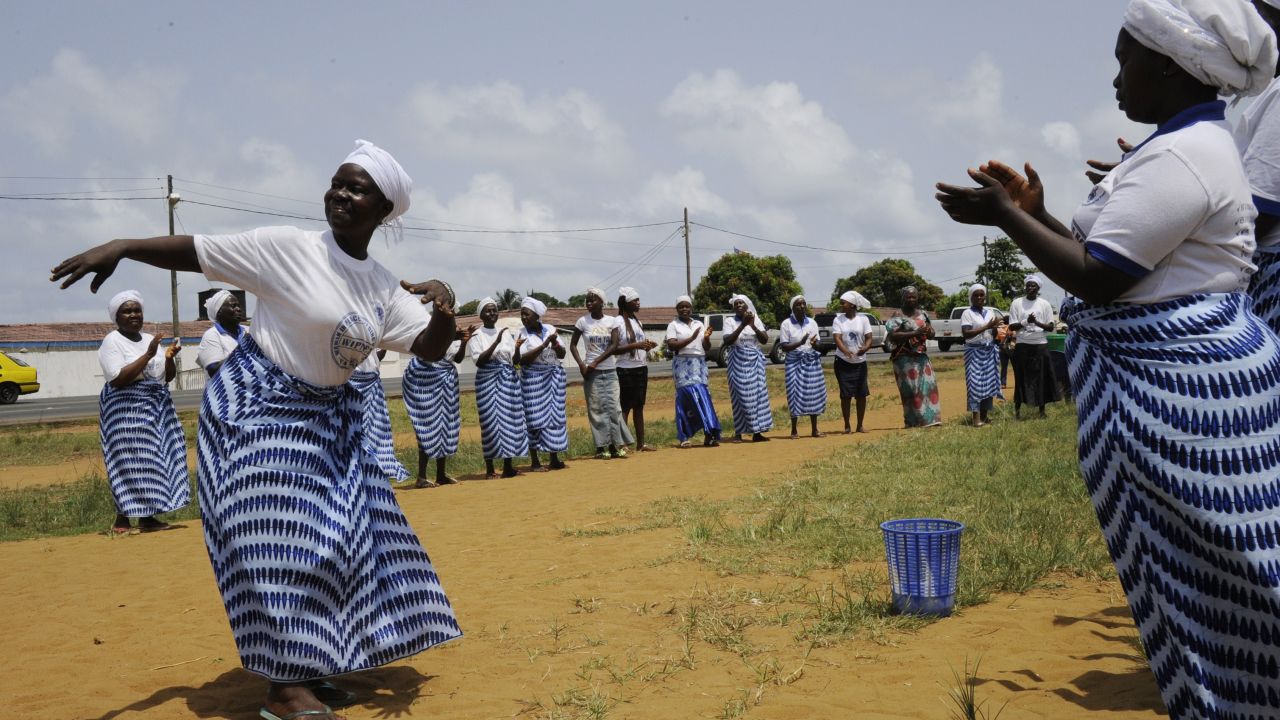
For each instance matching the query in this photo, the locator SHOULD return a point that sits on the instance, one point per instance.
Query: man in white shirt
(1031, 316)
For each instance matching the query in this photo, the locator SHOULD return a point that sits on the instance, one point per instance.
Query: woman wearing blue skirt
(498, 400)
(320, 572)
(542, 386)
(434, 407)
(744, 334)
(367, 380)
(981, 355)
(1177, 382)
(806, 383)
(689, 340)
(143, 446)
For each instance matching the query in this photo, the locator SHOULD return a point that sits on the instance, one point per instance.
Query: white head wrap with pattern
(1226, 45)
(629, 293)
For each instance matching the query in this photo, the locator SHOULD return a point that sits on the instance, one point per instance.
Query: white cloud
(974, 103)
(665, 195)
(1062, 138)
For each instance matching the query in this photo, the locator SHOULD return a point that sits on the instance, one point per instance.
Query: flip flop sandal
(326, 713)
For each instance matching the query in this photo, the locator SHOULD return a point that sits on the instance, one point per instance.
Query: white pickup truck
(947, 332)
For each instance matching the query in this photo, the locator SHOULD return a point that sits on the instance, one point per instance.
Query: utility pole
(983, 279)
(171, 199)
(688, 273)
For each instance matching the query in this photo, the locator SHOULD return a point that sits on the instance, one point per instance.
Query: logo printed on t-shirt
(352, 341)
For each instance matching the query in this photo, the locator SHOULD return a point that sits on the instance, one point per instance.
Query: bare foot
(286, 700)
(424, 483)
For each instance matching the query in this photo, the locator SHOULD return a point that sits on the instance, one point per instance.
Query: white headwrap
(596, 291)
(485, 303)
(975, 288)
(535, 306)
(855, 299)
(1033, 278)
(121, 298)
(629, 293)
(214, 303)
(1223, 44)
(684, 298)
(792, 305)
(390, 178)
(751, 307)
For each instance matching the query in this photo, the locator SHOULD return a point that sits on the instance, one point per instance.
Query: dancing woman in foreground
(1177, 382)
(320, 573)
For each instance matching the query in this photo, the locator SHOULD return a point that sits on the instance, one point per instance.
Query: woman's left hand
(987, 204)
(433, 290)
(173, 348)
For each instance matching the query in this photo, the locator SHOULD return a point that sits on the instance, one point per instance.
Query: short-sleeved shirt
(532, 340)
(484, 337)
(320, 312)
(677, 330)
(631, 358)
(747, 338)
(972, 319)
(1257, 137)
(1020, 309)
(1176, 213)
(596, 335)
(854, 330)
(216, 344)
(790, 332)
(116, 351)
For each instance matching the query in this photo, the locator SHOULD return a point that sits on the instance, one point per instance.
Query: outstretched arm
(171, 252)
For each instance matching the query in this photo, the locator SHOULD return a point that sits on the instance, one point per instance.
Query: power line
(73, 199)
(835, 250)
(624, 273)
(86, 179)
(38, 196)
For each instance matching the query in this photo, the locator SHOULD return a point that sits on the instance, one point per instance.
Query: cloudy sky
(819, 124)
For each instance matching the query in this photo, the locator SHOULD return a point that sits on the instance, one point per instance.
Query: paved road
(33, 408)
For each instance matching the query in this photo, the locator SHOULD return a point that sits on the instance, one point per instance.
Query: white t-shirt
(854, 330)
(970, 320)
(531, 341)
(747, 338)
(320, 311)
(1258, 139)
(215, 345)
(1020, 309)
(1177, 213)
(631, 358)
(677, 330)
(484, 337)
(790, 332)
(116, 351)
(595, 335)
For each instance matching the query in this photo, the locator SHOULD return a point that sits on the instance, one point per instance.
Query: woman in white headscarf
(433, 402)
(1177, 381)
(806, 383)
(599, 334)
(688, 340)
(542, 385)
(1031, 316)
(744, 333)
(633, 363)
(143, 446)
(978, 324)
(320, 572)
(498, 401)
(852, 332)
(223, 308)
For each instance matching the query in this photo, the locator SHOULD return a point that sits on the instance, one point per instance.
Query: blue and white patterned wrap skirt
(748, 390)
(501, 409)
(377, 424)
(143, 448)
(694, 409)
(806, 383)
(431, 398)
(318, 568)
(981, 374)
(1264, 287)
(543, 388)
(1179, 409)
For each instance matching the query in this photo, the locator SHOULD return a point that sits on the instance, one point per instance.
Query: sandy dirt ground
(558, 625)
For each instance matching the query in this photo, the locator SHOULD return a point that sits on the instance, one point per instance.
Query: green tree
(471, 307)
(550, 301)
(508, 299)
(960, 298)
(768, 280)
(881, 283)
(1003, 269)
(577, 301)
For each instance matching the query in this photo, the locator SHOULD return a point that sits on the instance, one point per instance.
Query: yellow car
(16, 378)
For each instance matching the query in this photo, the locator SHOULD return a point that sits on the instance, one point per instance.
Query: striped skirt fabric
(499, 403)
(318, 568)
(981, 374)
(377, 424)
(542, 386)
(749, 391)
(1179, 411)
(1264, 287)
(144, 449)
(431, 398)
(806, 384)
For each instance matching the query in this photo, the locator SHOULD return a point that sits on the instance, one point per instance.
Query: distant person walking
(599, 334)
(143, 446)
(377, 417)
(223, 308)
(432, 400)
(852, 332)
(909, 336)
(1031, 316)
(633, 363)
(498, 401)
(978, 324)
(689, 340)
(744, 334)
(806, 382)
(542, 386)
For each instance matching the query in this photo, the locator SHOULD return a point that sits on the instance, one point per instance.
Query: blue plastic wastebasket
(924, 557)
